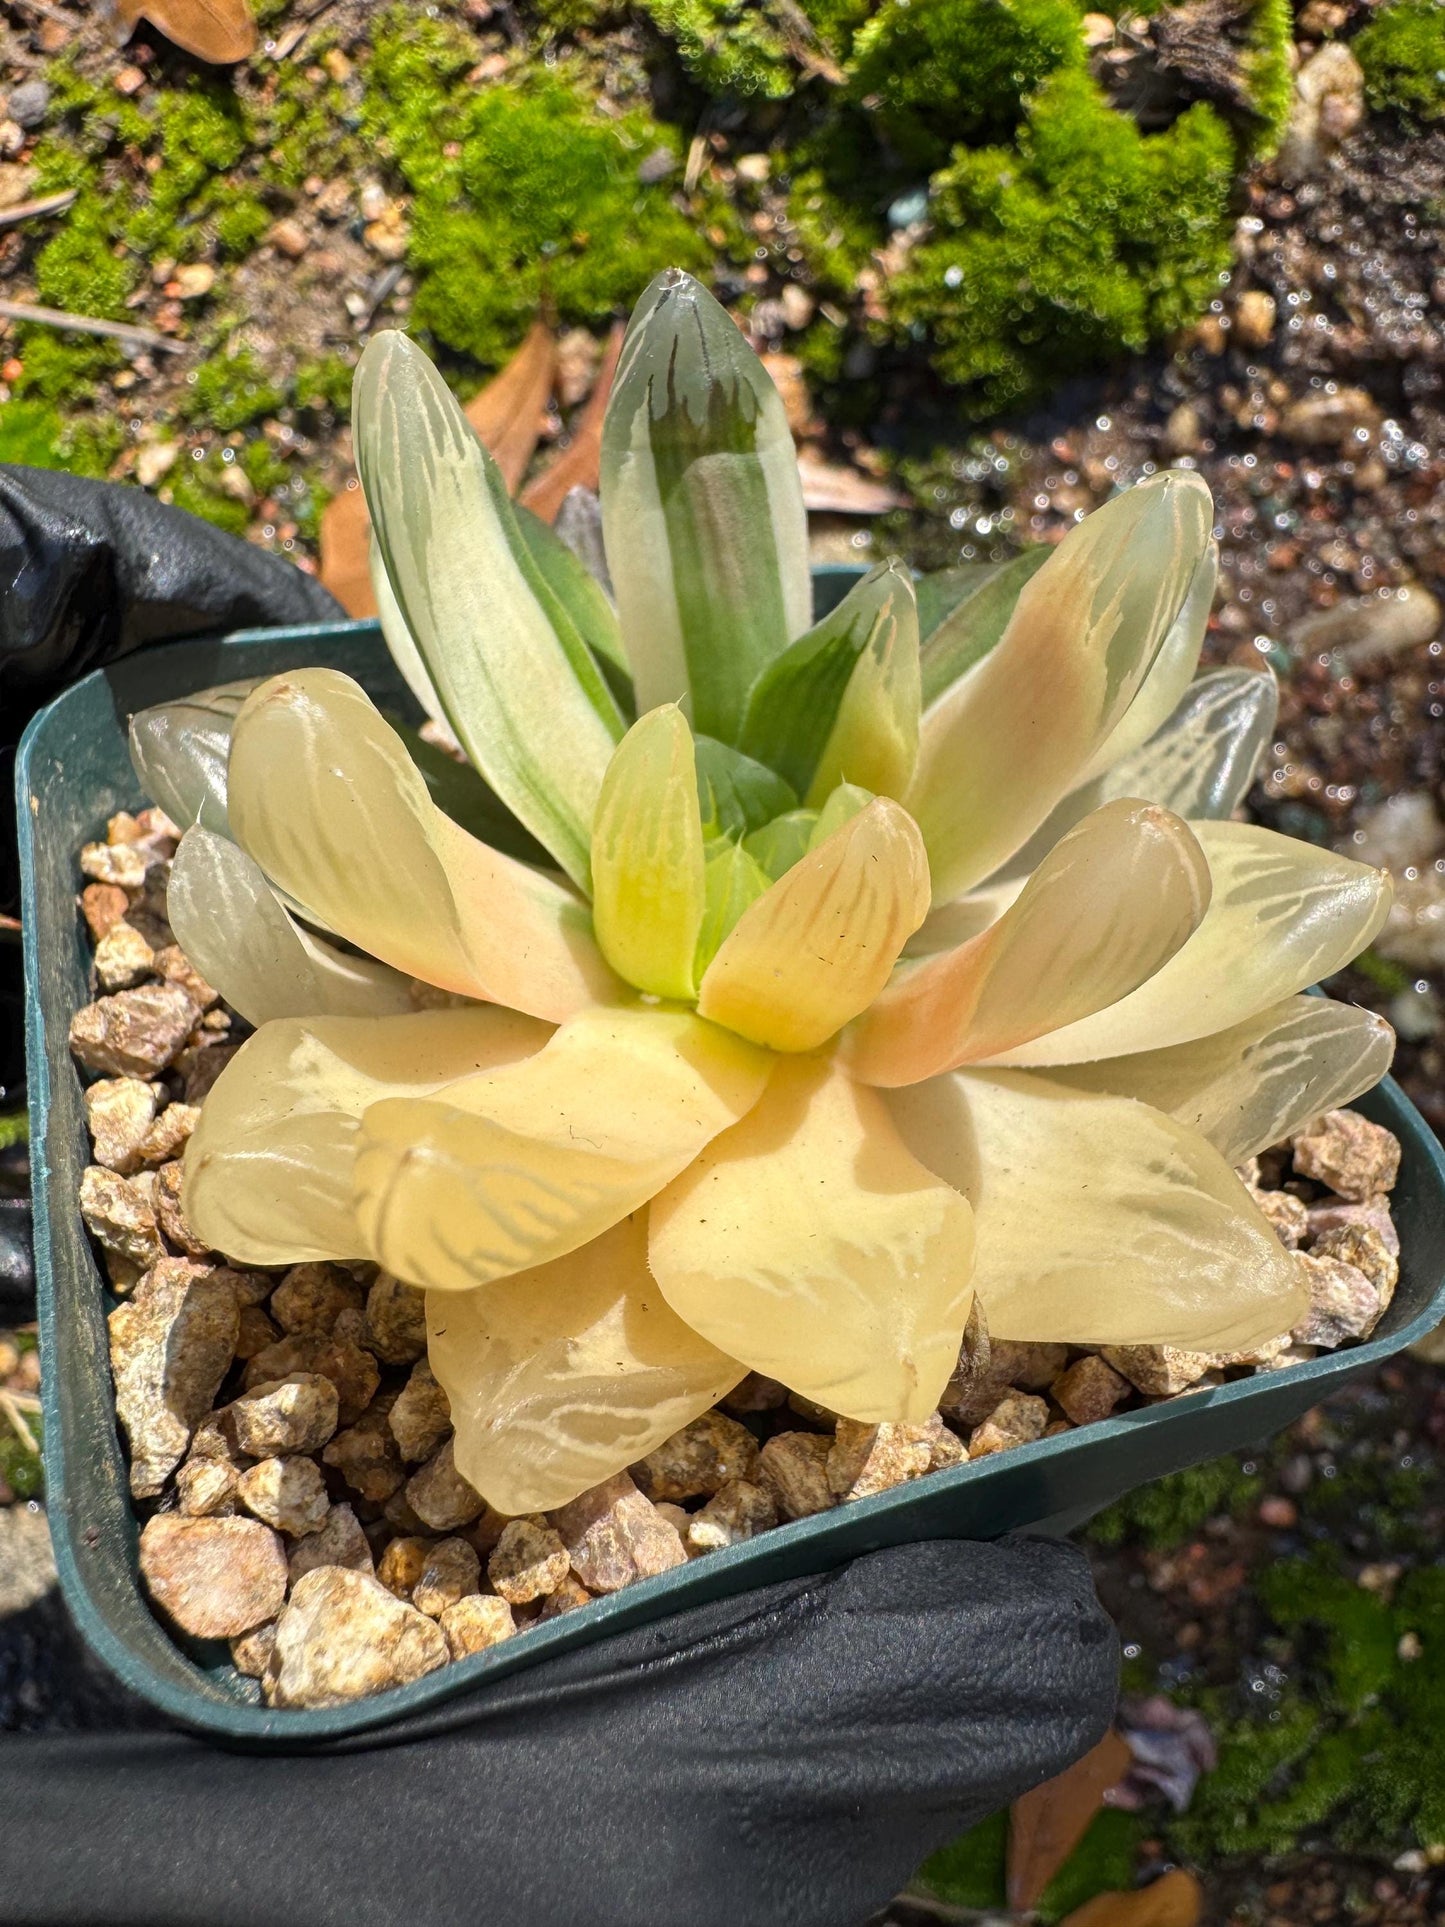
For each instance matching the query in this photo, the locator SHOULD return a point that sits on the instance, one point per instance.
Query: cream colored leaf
(1005, 742)
(1260, 1081)
(1106, 909)
(810, 1244)
(268, 1171)
(400, 641)
(1099, 1220)
(818, 947)
(873, 743)
(562, 1376)
(243, 940)
(648, 888)
(504, 1172)
(325, 798)
(1283, 915)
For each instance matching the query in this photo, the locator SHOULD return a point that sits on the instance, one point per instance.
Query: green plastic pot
(73, 773)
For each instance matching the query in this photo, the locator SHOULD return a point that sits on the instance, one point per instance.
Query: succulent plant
(882, 960)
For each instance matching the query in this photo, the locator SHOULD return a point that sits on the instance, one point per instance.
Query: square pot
(73, 773)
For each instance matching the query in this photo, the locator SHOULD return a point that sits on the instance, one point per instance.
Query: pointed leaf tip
(647, 856)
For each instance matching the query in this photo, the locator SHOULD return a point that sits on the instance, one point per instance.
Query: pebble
(421, 1418)
(29, 103)
(614, 1536)
(1089, 1390)
(793, 1470)
(343, 1636)
(122, 957)
(256, 1332)
(1158, 1371)
(296, 1414)
(738, 1511)
(402, 1564)
(169, 1135)
(1355, 1158)
(290, 238)
(1330, 1214)
(216, 1578)
(695, 1462)
(154, 461)
(656, 166)
(1362, 1246)
(136, 1033)
(310, 1298)
(1017, 1419)
(439, 1495)
(365, 1455)
(972, 1391)
(568, 1597)
(1364, 628)
(206, 1488)
(195, 279)
(170, 1213)
(337, 1541)
(117, 1212)
(1401, 833)
(472, 1624)
(1343, 1302)
(864, 1459)
(351, 1370)
(251, 1653)
(396, 1321)
(1287, 1214)
(1328, 105)
(102, 905)
(171, 1345)
(120, 864)
(289, 1494)
(451, 1572)
(528, 1561)
(1254, 318)
(1414, 932)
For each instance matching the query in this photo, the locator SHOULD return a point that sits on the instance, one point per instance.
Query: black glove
(783, 1759)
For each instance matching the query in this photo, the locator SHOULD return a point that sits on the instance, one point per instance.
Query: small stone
(1278, 1512)
(29, 103)
(1158, 1371)
(422, 1415)
(256, 1332)
(440, 1496)
(207, 1488)
(1254, 317)
(216, 1578)
(756, 1394)
(452, 1571)
(120, 1214)
(201, 1067)
(737, 1511)
(352, 1371)
(310, 1297)
(366, 1457)
(212, 1440)
(173, 1221)
(119, 1111)
(475, 1622)
(1322, 419)
(296, 1414)
(169, 1135)
(1017, 1419)
(1328, 105)
(1362, 1246)
(1026, 1367)
(122, 957)
(613, 1536)
(118, 863)
(528, 1562)
(171, 1345)
(865, 1459)
(677, 1516)
(102, 905)
(343, 1636)
(793, 1469)
(1330, 1214)
(396, 1322)
(403, 1563)
(251, 1653)
(289, 1494)
(289, 238)
(1089, 1390)
(1183, 431)
(154, 461)
(176, 967)
(135, 1033)
(484, 1533)
(251, 1287)
(946, 1448)
(656, 166)
(1343, 1302)
(337, 1541)
(972, 1391)
(568, 1597)
(1355, 1158)
(695, 1462)
(399, 1515)
(1287, 1214)
(190, 282)
(798, 306)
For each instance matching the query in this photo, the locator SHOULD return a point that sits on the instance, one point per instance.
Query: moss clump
(728, 46)
(1402, 52)
(946, 71)
(1268, 75)
(1086, 240)
(62, 368)
(230, 392)
(241, 225)
(38, 435)
(325, 385)
(1172, 1509)
(969, 1871)
(79, 269)
(198, 489)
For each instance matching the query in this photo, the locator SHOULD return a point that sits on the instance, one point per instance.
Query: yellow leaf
(818, 947)
(648, 889)
(810, 1244)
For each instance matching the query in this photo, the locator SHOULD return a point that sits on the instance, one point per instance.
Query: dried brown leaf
(345, 552)
(508, 412)
(1174, 1900)
(579, 463)
(1047, 1824)
(219, 31)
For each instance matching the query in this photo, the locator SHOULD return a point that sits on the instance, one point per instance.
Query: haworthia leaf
(457, 789)
(583, 598)
(841, 803)
(526, 702)
(956, 636)
(702, 508)
(874, 738)
(794, 704)
(647, 857)
(735, 794)
(179, 750)
(780, 844)
(733, 880)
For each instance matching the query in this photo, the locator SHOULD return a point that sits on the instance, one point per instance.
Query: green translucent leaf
(527, 703)
(874, 738)
(457, 789)
(702, 508)
(647, 857)
(794, 704)
(179, 751)
(735, 794)
(581, 595)
(958, 630)
(733, 880)
(779, 844)
(843, 802)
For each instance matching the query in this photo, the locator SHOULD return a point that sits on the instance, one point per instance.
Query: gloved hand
(786, 1758)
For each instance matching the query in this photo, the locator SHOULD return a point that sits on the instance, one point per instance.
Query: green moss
(305, 126)
(1172, 1509)
(1402, 52)
(950, 71)
(20, 1468)
(230, 392)
(62, 368)
(14, 1125)
(1268, 74)
(969, 1872)
(79, 270)
(728, 46)
(197, 489)
(325, 385)
(1088, 240)
(199, 133)
(241, 225)
(40, 436)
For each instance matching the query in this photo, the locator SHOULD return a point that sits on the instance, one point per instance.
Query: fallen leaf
(1046, 1825)
(1174, 1900)
(345, 552)
(832, 490)
(220, 31)
(579, 464)
(508, 412)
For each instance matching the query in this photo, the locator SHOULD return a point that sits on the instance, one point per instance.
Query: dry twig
(85, 324)
(31, 210)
